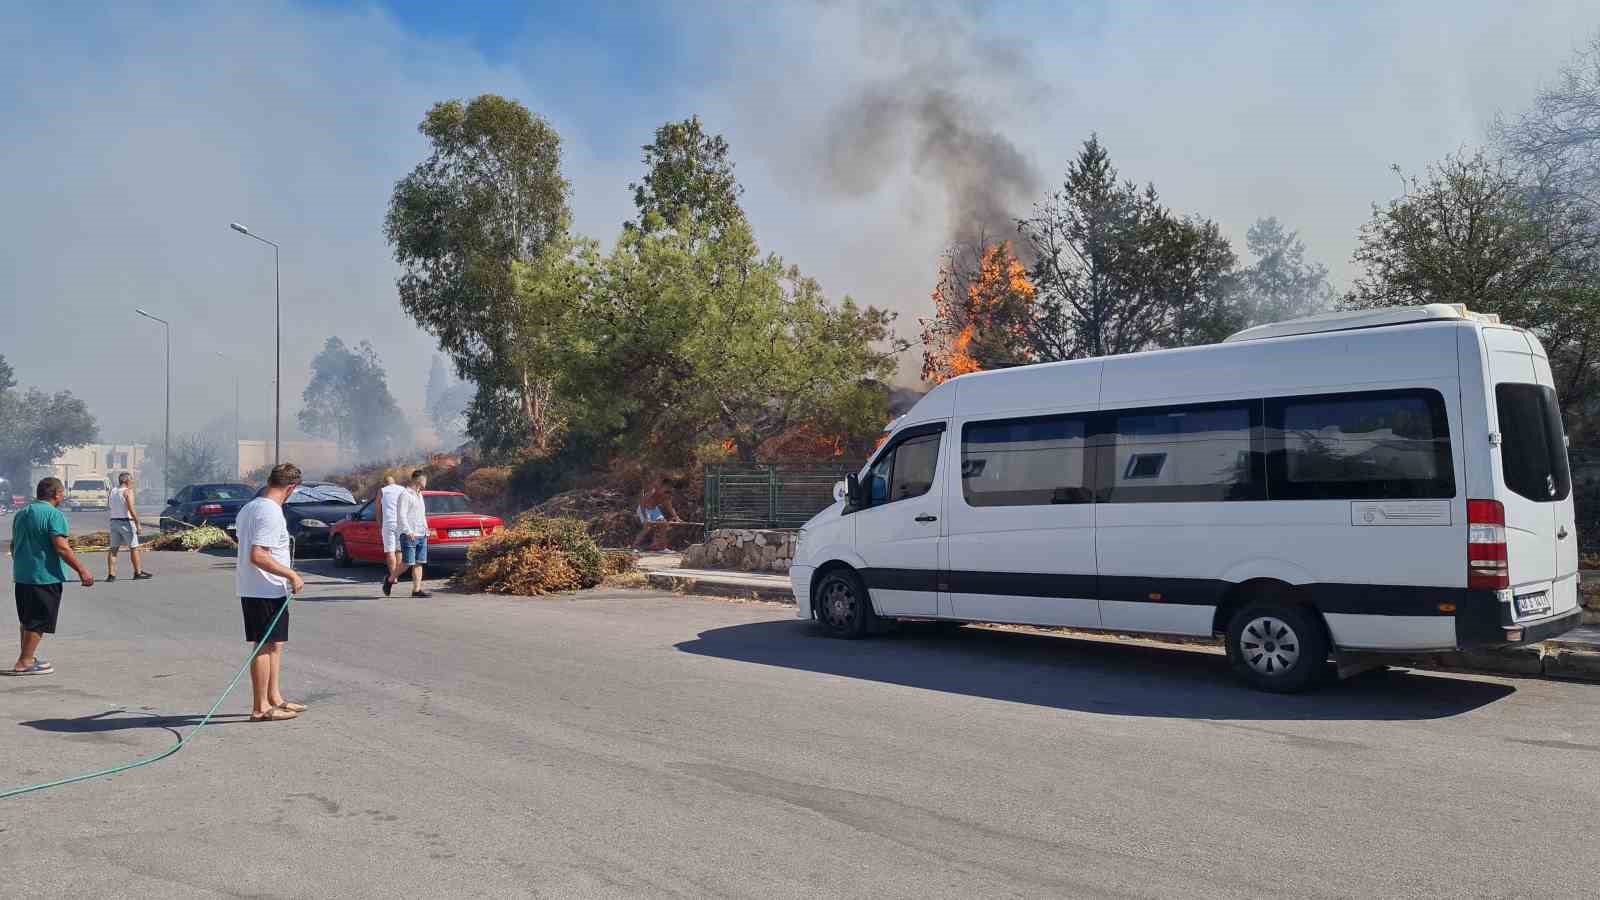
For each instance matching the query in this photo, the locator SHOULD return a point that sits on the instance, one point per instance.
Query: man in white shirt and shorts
(389, 527)
(124, 515)
(265, 578)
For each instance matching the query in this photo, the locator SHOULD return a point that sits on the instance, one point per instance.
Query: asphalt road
(635, 744)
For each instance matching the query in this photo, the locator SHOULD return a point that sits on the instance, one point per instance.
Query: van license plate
(465, 532)
(1533, 604)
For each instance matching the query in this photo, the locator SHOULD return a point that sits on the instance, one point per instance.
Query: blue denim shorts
(413, 551)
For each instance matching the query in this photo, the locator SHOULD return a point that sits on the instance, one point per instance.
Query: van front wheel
(1277, 647)
(842, 605)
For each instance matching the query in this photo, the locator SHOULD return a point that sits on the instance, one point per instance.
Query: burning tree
(983, 313)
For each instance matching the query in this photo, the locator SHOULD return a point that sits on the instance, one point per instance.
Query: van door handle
(927, 518)
(1562, 534)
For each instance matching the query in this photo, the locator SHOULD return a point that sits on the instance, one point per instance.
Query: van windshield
(1533, 448)
(88, 485)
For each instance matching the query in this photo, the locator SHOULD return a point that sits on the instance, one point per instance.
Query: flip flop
(142, 576)
(274, 714)
(39, 667)
(109, 578)
(292, 706)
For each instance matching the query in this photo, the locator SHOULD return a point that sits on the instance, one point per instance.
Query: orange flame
(995, 306)
(961, 360)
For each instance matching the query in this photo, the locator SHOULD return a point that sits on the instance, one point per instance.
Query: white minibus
(1378, 481)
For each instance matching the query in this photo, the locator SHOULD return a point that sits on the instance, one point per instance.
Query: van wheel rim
(838, 603)
(1269, 645)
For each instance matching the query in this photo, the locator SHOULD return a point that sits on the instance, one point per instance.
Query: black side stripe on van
(1356, 599)
(1021, 584)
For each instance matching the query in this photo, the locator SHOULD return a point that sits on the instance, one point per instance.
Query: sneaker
(142, 576)
(110, 578)
(388, 586)
(423, 594)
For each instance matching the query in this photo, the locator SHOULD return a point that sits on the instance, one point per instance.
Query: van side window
(1373, 445)
(1533, 446)
(907, 470)
(1180, 454)
(1026, 462)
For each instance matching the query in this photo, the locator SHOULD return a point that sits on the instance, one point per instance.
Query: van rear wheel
(842, 605)
(1277, 647)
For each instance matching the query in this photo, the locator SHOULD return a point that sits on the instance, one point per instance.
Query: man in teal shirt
(38, 547)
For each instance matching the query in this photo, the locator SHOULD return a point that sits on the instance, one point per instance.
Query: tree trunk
(536, 406)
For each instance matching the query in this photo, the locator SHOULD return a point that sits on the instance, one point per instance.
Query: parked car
(311, 512)
(1353, 483)
(452, 527)
(90, 492)
(205, 504)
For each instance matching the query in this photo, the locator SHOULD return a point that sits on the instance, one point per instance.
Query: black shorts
(37, 607)
(258, 613)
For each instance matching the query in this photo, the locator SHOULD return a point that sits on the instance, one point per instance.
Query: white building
(106, 460)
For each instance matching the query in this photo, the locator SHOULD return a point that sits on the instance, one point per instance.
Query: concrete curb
(1552, 659)
(743, 588)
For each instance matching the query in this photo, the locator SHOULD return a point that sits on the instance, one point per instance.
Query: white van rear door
(1565, 596)
(1526, 484)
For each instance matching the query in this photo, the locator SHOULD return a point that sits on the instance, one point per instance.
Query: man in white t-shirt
(414, 531)
(265, 577)
(389, 527)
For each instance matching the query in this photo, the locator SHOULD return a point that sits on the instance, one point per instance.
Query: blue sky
(137, 132)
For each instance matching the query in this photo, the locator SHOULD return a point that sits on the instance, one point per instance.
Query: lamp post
(226, 358)
(166, 440)
(277, 350)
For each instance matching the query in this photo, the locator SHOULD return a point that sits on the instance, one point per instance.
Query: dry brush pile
(206, 537)
(533, 556)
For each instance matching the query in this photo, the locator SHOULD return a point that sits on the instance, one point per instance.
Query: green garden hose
(17, 792)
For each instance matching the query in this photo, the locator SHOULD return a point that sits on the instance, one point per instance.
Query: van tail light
(209, 509)
(1486, 546)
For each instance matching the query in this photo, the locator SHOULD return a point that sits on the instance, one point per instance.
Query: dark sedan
(311, 510)
(206, 504)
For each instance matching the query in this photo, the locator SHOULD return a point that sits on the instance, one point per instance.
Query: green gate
(780, 497)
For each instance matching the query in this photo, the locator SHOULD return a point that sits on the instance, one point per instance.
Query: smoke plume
(934, 109)
(945, 139)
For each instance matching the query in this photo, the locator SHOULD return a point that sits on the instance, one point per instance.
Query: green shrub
(1586, 510)
(537, 480)
(490, 487)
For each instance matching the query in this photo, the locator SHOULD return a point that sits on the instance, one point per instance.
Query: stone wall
(743, 550)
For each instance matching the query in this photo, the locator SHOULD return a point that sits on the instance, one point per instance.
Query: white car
(1378, 481)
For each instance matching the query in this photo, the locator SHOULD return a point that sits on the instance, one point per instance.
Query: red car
(451, 530)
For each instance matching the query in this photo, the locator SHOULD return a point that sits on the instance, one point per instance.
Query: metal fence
(769, 496)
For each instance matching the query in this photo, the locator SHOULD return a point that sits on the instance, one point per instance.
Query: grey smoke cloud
(946, 139)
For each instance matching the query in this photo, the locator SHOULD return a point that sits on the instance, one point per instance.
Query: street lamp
(277, 352)
(226, 358)
(166, 440)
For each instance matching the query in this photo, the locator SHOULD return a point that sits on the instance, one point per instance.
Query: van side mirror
(852, 492)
